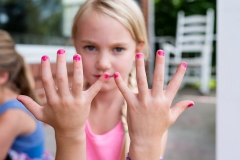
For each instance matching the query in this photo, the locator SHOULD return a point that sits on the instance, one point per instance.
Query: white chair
(193, 45)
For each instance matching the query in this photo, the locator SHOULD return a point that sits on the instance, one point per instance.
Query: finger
(61, 74)
(32, 106)
(96, 87)
(176, 81)
(141, 76)
(47, 79)
(126, 92)
(158, 77)
(179, 108)
(77, 85)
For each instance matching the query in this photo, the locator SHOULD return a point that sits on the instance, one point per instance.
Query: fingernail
(106, 76)
(190, 105)
(76, 58)
(115, 75)
(160, 52)
(61, 51)
(139, 55)
(184, 64)
(44, 58)
(19, 100)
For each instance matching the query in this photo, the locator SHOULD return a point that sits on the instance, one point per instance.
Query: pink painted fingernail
(76, 58)
(115, 75)
(19, 100)
(190, 105)
(139, 55)
(44, 58)
(61, 51)
(184, 64)
(106, 76)
(160, 52)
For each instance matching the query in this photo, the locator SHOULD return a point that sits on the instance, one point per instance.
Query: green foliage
(212, 84)
(34, 17)
(166, 13)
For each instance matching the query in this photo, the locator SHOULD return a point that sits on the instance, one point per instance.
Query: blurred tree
(166, 16)
(166, 13)
(38, 17)
(14, 17)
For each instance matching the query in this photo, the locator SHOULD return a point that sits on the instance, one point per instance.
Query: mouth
(99, 75)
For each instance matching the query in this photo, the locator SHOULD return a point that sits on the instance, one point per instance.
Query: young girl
(110, 37)
(20, 132)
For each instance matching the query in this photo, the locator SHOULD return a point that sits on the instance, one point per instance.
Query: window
(38, 21)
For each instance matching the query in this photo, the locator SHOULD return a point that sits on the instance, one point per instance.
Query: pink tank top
(106, 146)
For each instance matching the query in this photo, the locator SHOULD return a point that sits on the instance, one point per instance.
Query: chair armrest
(168, 48)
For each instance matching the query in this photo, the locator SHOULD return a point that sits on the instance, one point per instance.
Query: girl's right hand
(149, 112)
(67, 111)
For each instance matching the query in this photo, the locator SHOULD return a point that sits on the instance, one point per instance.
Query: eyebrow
(112, 44)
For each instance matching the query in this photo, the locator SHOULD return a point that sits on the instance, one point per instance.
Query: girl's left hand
(149, 114)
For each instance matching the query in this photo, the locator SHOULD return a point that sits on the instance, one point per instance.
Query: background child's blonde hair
(128, 13)
(20, 78)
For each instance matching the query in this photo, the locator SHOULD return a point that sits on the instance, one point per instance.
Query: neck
(105, 111)
(6, 95)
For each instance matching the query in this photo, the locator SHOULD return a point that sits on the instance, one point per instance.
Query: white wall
(228, 79)
(33, 53)
(70, 8)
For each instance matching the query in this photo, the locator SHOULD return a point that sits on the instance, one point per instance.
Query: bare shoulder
(17, 121)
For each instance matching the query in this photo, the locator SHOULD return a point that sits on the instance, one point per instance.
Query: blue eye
(118, 49)
(90, 48)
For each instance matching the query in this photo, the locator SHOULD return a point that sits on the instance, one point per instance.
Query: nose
(103, 61)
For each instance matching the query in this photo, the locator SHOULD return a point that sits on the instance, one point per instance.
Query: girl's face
(105, 46)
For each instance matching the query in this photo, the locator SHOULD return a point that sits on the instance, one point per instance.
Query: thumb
(32, 106)
(179, 108)
(96, 87)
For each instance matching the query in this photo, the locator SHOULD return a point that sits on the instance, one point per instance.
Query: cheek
(125, 67)
(87, 66)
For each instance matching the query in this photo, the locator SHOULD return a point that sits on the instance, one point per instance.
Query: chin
(108, 87)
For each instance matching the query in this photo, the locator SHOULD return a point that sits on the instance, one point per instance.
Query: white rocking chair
(194, 46)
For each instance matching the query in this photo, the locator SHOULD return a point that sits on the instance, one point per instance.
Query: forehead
(94, 24)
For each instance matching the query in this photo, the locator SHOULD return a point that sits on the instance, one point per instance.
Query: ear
(139, 47)
(3, 77)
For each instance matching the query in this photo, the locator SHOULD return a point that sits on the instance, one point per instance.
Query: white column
(228, 80)
(151, 33)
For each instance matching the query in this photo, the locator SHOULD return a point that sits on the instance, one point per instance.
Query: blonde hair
(128, 13)
(20, 78)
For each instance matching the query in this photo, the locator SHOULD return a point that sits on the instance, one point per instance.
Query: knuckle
(124, 92)
(178, 84)
(144, 101)
(77, 103)
(159, 78)
(45, 80)
(61, 78)
(141, 81)
(52, 102)
(65, 101)
(78, 84)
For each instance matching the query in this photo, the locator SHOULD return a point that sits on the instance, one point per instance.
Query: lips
(98, 76)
